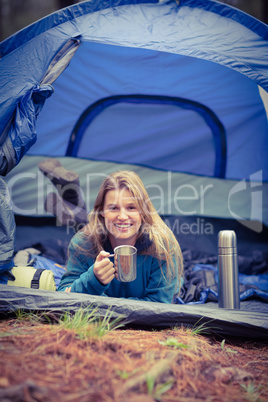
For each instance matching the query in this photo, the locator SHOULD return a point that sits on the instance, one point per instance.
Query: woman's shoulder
(143, 243)
(82, 247)
(80, 239)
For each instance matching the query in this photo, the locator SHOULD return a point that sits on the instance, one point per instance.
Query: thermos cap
(226, 239)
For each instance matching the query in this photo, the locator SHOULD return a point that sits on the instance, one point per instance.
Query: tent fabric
(202, 286)
(249, 321)
(7, 231)
(204, 54)
(22, 132)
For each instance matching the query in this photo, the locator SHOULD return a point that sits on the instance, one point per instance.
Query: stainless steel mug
(127, 263)
(228, 284)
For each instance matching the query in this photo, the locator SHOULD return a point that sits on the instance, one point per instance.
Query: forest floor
(51, 362)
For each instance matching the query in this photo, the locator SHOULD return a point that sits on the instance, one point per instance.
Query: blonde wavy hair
(164, 243)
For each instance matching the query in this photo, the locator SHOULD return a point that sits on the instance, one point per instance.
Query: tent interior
(173, 90)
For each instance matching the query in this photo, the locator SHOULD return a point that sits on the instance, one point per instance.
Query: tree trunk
(65, 3)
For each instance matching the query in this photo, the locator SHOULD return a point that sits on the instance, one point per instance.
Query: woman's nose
(122, 214)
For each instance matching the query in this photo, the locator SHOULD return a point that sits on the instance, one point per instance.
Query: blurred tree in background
(16, 14)
(256, 8)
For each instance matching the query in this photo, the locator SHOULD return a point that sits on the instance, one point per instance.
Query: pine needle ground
(46, 362)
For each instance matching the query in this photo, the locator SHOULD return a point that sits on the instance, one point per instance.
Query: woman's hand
(104, 268)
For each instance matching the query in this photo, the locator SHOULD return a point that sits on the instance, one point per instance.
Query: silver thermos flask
(228, 284)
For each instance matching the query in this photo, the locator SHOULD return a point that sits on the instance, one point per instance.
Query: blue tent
(175, 90)
(172, 86)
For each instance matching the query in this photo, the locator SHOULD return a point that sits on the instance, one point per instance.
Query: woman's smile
(123, 226)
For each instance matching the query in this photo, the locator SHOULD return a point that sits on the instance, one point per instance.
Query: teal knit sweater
(150, 284)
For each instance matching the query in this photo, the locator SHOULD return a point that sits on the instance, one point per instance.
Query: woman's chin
(126, 237)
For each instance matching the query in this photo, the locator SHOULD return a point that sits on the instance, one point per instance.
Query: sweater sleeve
(80, 275)
(159, 288)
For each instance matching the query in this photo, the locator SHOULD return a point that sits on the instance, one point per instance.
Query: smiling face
(121, 217)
